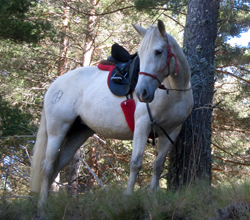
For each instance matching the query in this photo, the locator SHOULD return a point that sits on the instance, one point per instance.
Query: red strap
(153, 76)
(169, 56)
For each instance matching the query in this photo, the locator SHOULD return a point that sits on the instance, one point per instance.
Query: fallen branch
(91, 171)
(98, 138)
(26, 151)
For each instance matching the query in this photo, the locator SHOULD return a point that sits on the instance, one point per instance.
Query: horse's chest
(170, 117)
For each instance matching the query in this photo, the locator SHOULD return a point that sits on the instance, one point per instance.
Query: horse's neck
(182, 79)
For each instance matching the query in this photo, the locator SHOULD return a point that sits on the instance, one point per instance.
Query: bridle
(155, 76)
(169, 56)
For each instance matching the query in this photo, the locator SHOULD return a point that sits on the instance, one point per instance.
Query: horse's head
(153, 56)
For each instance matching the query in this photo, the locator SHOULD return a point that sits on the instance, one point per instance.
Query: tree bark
(89, 38)
(190, 158)
(62, 63)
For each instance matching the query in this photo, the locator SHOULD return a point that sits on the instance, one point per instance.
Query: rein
(169, 56)
(154, 123)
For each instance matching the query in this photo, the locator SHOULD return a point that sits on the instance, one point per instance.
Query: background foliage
(17, 25)
(44, 39)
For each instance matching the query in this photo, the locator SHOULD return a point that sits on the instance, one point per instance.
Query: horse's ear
(140, 30)
(161, 28)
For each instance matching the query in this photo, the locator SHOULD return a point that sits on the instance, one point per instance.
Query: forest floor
(228, 201)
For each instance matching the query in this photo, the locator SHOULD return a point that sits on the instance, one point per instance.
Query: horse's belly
(112, 133)
(109, 125)
(102, 112)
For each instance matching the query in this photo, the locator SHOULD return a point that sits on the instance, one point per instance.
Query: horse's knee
(135, 165)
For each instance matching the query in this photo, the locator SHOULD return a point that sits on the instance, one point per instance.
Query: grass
(197, 202)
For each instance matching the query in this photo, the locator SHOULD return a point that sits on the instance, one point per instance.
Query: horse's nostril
(144, 94)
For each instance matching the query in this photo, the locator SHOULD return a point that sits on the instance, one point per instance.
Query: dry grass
(197, 202)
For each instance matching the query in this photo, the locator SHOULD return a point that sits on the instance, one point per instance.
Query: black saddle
(120, 54)
(123, 78)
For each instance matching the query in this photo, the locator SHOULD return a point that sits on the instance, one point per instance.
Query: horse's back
(70, 81)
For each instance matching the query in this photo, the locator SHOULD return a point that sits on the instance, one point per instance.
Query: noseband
(169, 56)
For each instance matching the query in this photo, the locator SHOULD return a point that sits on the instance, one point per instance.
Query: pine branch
(169, 9)
(230, 161)
(174, 20)
(241, 8)
(18, 136)
(217, 146)
(230, 128)
(231, 74)
(99, 14)
(244, 69)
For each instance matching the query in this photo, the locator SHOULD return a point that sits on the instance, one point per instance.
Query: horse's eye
(158, 52)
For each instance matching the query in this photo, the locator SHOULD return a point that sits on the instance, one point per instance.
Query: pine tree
(190, 157)
(17, 25)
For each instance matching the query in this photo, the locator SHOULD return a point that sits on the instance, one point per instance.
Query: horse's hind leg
(163, 148)
(76, 136)
(56, 133)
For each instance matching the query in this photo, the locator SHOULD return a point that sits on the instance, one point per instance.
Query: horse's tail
(38, 155)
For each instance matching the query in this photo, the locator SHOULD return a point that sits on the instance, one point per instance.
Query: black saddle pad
(123, 79)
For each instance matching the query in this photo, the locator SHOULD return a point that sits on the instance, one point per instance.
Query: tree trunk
(89, 38)
(190, 158)
(62, 63)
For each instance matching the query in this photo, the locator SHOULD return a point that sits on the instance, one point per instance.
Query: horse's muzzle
(144, 95)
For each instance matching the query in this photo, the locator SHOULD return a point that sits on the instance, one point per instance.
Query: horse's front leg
(139, 142)
(163, 147)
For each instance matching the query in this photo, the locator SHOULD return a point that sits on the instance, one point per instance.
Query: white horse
(79, 104)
